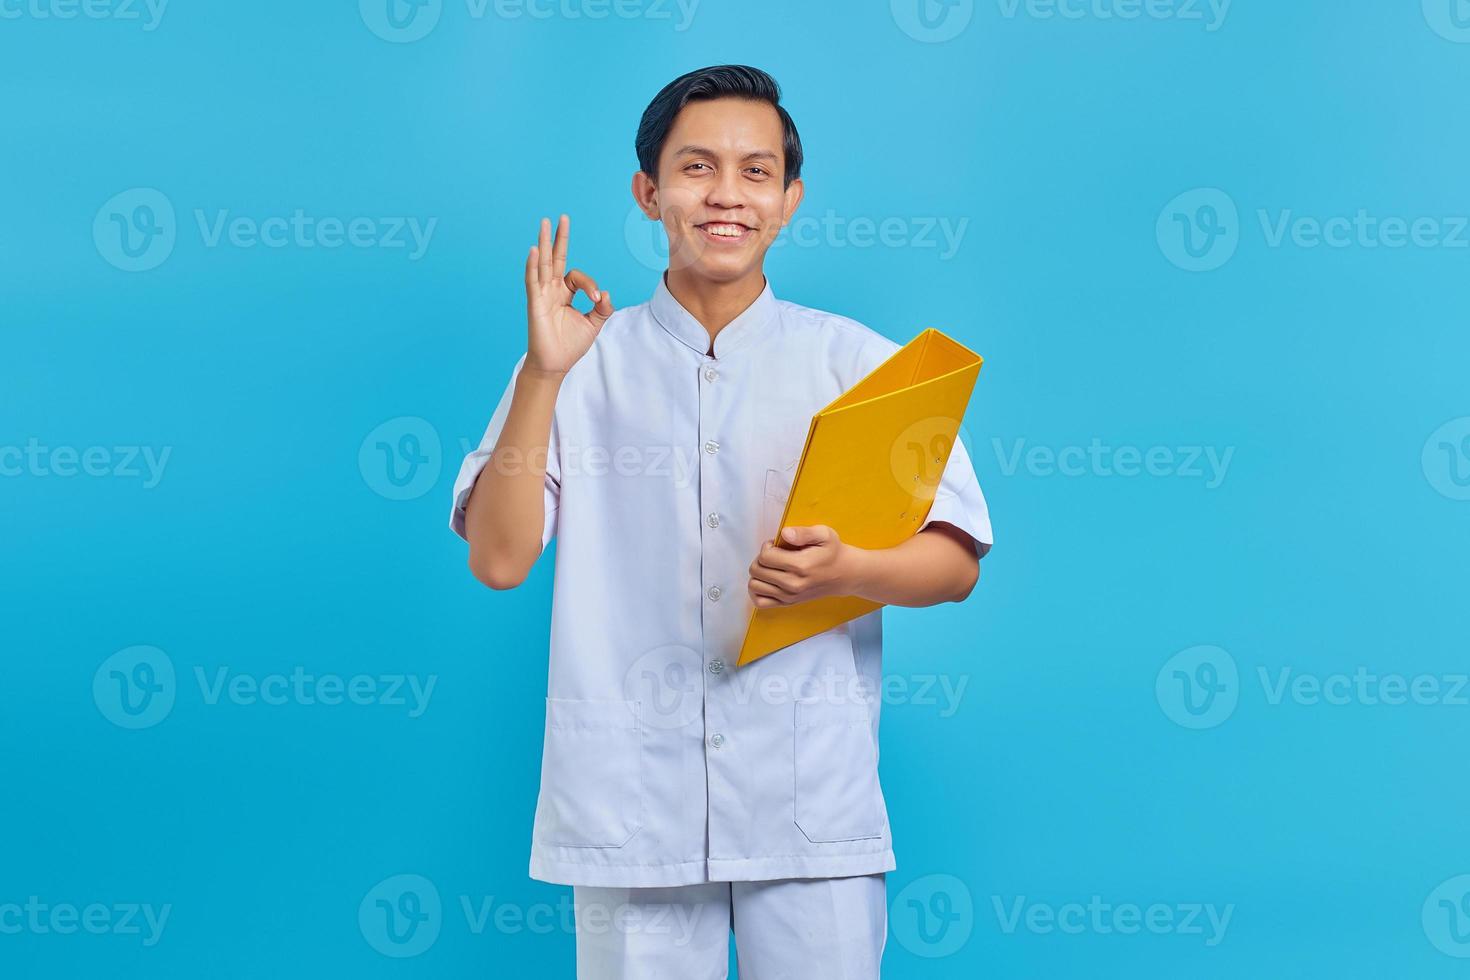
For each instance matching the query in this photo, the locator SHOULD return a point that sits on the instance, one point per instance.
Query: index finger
(781, 559)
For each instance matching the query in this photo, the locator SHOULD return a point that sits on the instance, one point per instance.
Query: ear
(645, 192)
(793, 201)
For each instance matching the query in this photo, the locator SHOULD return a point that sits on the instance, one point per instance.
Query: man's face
(720, 192)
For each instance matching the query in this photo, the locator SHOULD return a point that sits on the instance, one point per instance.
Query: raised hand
(558, 334)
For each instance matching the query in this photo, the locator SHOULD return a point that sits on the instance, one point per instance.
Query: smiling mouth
(725, 231)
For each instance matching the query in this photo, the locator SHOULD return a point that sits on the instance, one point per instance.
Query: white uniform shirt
(663, 763)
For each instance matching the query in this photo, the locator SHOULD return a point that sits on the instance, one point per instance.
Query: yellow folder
(869, 470)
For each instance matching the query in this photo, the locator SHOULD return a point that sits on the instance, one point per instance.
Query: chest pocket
(778, 490)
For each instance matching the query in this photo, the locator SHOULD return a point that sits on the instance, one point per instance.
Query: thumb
(803, 536)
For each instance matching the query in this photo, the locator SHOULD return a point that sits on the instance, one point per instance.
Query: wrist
(856, 571)
(539, 377)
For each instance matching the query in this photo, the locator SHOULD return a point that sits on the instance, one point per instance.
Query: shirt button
(710, 374)
(712, 447)
(714, 593)
(713, 520)
(717, 740)
(715, 666)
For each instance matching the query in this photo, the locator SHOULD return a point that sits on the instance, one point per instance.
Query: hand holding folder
(870, 470)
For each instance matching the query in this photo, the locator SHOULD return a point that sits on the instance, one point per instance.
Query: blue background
(1335, 540)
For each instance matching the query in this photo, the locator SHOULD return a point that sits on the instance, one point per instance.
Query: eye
(697, 164)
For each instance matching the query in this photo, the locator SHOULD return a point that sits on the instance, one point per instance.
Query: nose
(725, 193)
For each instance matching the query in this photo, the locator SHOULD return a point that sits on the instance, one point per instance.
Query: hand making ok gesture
(558, 333)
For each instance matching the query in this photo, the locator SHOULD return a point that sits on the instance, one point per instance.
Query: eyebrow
(705, 151)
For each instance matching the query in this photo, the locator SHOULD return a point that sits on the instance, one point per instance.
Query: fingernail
(596, 295)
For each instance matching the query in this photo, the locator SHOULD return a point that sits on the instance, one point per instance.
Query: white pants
(792, 929)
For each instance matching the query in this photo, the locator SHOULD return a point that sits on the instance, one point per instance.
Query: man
(682, 797)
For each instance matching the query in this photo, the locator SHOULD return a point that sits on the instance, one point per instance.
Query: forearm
(936, 565)
(506, 510)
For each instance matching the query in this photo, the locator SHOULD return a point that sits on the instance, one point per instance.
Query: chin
(718, 268)
(720, 271)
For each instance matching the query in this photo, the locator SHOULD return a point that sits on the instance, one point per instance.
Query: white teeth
(725, 231)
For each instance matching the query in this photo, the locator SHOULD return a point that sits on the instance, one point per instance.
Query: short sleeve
(469, 470)
(958, 500)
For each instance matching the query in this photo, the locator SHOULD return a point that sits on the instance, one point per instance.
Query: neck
(714, 304)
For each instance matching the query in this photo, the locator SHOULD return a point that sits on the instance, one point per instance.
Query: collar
(683, 326)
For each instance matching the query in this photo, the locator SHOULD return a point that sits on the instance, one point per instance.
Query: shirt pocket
(591, 774)
(837, 793)
(778, 489)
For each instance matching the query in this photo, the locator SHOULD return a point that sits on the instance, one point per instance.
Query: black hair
(717, 81)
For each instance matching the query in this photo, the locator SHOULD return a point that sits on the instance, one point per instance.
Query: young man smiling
(682, 797)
